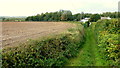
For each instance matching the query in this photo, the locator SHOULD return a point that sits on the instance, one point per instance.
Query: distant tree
(110, 14)
(38, 17)
(118, 14)
(87, 15)
(66, 15)
(28, 18)
(94, 17)
(3, 19)
(77, 17)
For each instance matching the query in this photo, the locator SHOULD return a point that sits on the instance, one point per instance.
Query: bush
(107, 32)
(94, 17)
(53, 51)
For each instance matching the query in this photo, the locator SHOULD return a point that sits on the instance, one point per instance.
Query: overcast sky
(33, 7)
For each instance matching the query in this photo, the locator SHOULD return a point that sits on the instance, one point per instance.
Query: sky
(33, 7)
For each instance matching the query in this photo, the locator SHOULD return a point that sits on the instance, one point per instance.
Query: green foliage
(87, 53)
(94, 17)
(52, 16)
(13, 19)
(79, 16)
(62, 15)
(111, 14)
(54, 51)
(66, 15)
(107, 33)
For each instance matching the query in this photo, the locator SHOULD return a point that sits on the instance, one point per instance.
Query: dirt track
(17, 32)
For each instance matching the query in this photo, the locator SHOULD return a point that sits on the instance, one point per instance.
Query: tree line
(62, 15)
(12, 19)
(66, 15)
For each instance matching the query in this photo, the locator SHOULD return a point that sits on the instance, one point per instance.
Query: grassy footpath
(88, 55)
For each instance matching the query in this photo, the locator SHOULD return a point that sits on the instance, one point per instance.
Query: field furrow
(17, 32)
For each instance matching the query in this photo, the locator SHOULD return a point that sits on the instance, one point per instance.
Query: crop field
(17, 32)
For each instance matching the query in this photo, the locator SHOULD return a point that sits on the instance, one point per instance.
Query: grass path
(88, 55)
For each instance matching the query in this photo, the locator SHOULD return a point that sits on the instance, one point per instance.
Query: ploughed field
(19, 32)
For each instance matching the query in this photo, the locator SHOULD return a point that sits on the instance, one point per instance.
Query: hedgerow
(53, 51)
(107, 33)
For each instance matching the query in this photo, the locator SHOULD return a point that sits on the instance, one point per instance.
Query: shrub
(54, 51)
(107, 32)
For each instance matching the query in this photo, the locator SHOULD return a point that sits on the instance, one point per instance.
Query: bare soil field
(18, 32)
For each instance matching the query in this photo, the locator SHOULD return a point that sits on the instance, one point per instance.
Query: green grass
(88, 54)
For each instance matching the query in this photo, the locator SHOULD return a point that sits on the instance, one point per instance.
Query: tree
(3, 19)
(94, 17)
(77, 17)
(110, 14)
(66, 15)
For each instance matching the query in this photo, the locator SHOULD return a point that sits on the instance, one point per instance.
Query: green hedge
(54, 51)
(107, 33)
